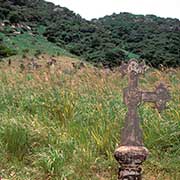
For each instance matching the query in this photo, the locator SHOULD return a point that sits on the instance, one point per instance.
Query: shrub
(6, 52)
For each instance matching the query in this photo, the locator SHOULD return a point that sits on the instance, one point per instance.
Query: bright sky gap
(90, 9)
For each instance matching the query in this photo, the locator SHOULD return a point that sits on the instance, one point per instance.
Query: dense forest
(107, 40)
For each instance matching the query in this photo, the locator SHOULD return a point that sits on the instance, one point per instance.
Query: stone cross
(131, 152)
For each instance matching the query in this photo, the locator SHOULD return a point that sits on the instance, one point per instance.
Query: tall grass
(66, 126)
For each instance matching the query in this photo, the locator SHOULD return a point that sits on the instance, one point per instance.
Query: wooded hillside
(107, 40)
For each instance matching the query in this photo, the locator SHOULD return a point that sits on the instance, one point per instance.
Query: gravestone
(131, 153)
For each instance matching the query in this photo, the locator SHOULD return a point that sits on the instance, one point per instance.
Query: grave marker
(131, 153)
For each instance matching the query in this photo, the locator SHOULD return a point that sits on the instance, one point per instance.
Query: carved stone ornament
(131, 152)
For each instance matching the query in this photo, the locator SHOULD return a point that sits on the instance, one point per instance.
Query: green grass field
(29, 44)
(66, 125)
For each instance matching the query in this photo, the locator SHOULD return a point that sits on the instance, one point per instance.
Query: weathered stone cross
(131, 152)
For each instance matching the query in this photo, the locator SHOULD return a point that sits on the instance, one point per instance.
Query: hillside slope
(107, 40)
(153, 38)
(22, 24)
(18, 41)
(64, 123)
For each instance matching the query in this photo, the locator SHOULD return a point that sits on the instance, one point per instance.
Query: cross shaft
(131, 152)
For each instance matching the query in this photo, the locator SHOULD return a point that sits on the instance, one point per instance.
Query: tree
(15, 17)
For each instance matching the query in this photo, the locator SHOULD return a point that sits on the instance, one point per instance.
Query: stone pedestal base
(130, 159)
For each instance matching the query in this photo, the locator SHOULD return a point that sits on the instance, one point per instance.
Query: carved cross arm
(160, 97)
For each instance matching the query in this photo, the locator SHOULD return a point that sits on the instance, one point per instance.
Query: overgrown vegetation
(28, 44)
(64, 121)
(5, 51)
(66, 125)
(107, 40)
(155, 39)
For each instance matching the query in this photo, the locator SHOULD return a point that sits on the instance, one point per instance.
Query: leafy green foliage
(5, 51)
(24, 44)
(108, 40)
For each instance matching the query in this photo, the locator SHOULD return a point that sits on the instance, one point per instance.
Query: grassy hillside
(29, 43)
(26, 43)
(64, 123)
(22, 24)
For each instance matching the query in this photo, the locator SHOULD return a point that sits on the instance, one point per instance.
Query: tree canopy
(108, 40)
